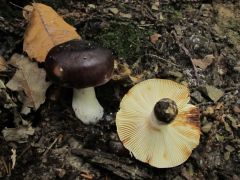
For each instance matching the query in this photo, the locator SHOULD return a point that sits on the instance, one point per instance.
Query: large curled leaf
(30, 79)
(45, 30)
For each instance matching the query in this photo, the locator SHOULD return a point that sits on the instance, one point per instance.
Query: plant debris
(19, 135)
(53, 31)
(212, 92)
(205, 62)
(30, 79)
(3, 64)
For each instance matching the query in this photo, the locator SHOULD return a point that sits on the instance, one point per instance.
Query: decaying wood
(122, 167)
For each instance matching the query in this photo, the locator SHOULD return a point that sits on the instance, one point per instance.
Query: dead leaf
(45, 30)
(236, 109)
(30, 79)
(5, 99)
(3, 64)
(19, 135)
(155, 6)
(113, 10)
(212, 92)
(154, 38)
(92, 6)
(2, 86)
(219, 105)
(137, 78)
(205, 62)
(121, 71)
(125, 15)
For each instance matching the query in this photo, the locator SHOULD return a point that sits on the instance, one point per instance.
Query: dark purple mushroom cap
(79, 64)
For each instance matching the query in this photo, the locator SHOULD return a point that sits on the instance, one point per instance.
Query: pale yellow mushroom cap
(160, 145)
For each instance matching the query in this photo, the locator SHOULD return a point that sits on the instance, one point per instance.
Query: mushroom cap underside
(160, 146)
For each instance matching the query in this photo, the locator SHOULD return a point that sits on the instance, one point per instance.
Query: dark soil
(64, 148)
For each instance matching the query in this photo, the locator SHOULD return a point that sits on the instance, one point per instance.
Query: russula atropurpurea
(82, 66)
(156, 123)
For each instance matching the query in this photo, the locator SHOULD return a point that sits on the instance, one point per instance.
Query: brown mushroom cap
(79, 64)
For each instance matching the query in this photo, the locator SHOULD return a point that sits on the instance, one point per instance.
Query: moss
(173, 15)
(233, 25)
(177, 15)
(124, 39)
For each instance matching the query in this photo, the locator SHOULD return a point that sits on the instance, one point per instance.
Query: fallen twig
(51, 145)
(146, 12)
(233, 88)
(24, 151)
(165, 60)
(5, 165)
(205, 103)
(122, 167)
(187, 53)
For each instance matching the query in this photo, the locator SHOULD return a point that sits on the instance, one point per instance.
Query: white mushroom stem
(86, 105)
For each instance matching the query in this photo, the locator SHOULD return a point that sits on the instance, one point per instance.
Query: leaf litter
(3, 64)
(205, 62)
(45, 30)
(30, 79)
(19, 135)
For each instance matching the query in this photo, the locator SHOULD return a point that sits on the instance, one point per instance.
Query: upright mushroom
(156, 123)
(81, 65)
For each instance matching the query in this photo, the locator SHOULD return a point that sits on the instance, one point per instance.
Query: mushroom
(82, 66)
(156, 123)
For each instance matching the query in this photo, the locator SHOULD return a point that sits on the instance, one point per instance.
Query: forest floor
(196, 43)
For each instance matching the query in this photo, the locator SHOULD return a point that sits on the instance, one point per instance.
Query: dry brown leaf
(236, 109)
(203, 63)
(136, 79)
(122, 71)
(3, 64)
(30, 79)
(45, 30)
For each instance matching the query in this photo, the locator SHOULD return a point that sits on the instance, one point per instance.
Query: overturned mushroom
(156, 123)
(82, 66)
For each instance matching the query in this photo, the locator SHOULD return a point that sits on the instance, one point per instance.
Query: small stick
(187, 53)
(51, 145)
(205, 103)
(165, 60)
(23, 152)
(4, 164)
(17, 6)
(9, 169)
(86, 176)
